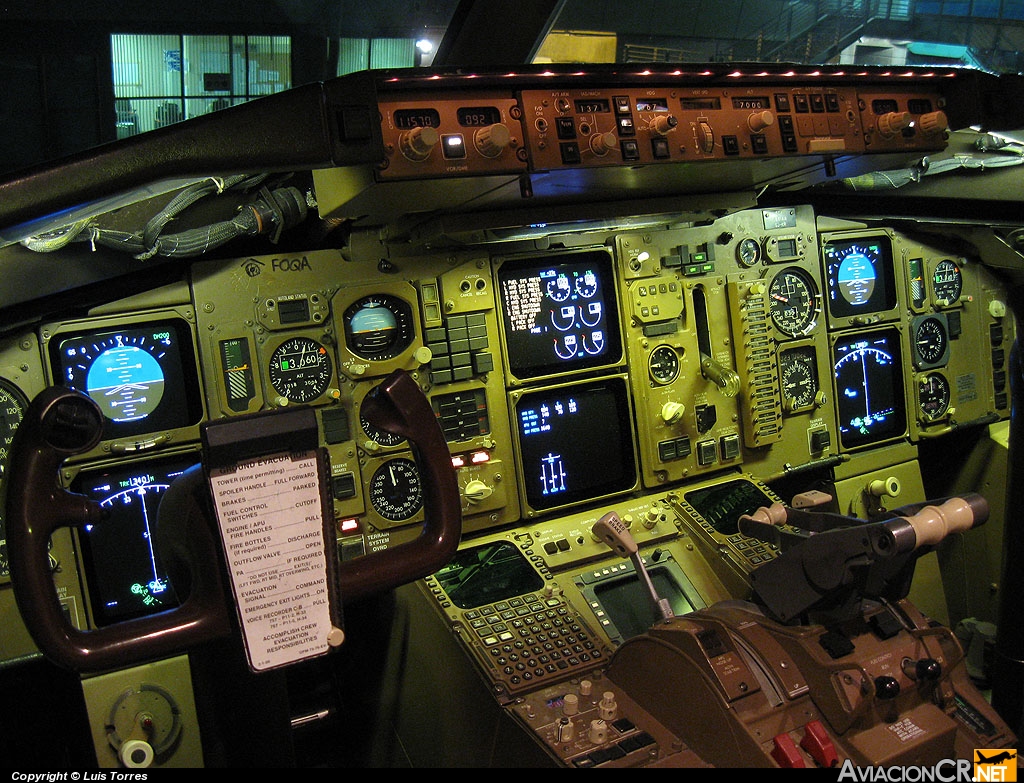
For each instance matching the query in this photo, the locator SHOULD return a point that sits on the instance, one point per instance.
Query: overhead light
(425, 46)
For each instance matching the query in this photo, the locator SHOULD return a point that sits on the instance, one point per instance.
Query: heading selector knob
(933, 122)
(663, 123)
(492, 140)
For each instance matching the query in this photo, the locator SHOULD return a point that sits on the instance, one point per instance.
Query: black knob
(887, 687)
(924, 670)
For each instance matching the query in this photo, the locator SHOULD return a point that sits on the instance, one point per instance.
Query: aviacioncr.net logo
(999, 764)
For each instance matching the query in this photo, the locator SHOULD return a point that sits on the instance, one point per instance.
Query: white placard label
(272, 527)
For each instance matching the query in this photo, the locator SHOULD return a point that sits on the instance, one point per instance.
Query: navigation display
(868, 371)
(124, 570)
(559, 314)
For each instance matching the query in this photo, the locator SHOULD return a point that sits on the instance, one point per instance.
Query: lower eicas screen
(859, 275)
(575, 443)
(142, 376)
(123, 567)
(868, 372)
(559, 314)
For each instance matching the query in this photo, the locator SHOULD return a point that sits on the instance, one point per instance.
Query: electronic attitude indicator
(793, 302)
(378, 327)
(300, 369)
(855, 275)
(124, 372)
(947, 282)
(396, 492)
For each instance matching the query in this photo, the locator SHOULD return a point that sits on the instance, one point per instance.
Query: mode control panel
(602, 127)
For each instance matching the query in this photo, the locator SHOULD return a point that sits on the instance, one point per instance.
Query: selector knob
(417, 143)
(136, 754)
(602, 143)
(664, 123)
(895, 121)
(477, 491)
(570, 704)
(923, 670)
(598, 732)
(760, 120)
(672, 412)
(651, 517)
(608, 708)
(492, 140)
(933, 122)
(887, 687)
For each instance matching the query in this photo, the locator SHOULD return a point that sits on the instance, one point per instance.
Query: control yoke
(61, 422)
(828, 562)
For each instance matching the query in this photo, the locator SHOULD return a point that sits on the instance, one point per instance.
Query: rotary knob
(760, 120)
(492, 140)
(933, 122)
(417, 143)
(663, 123)
(672, 412)
(706, 137)
(894, 122)
(477, 491)
(602, 143)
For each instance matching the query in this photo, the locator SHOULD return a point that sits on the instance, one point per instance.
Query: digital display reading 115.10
(406, 119)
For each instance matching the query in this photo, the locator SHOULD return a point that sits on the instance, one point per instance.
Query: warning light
(350, 525)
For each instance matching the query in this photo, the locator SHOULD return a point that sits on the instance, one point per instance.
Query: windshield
(76, 77)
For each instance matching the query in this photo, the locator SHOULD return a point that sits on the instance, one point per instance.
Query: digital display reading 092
(478, 116)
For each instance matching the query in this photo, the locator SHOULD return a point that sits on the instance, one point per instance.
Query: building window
(161, 79)
(359, 54)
